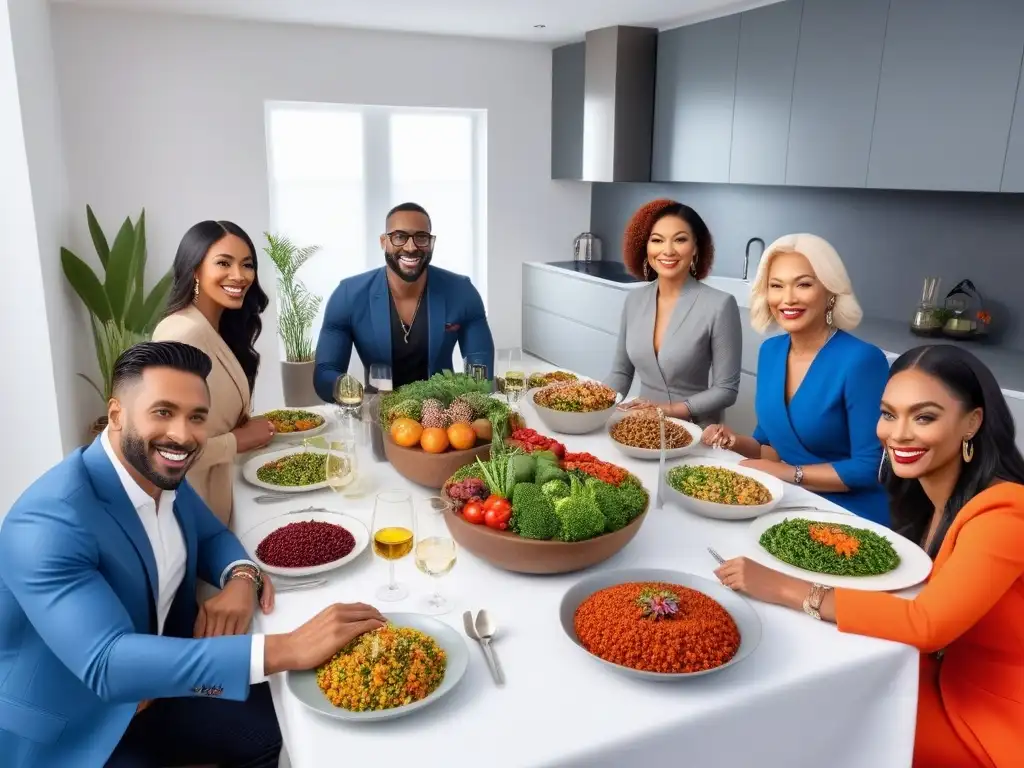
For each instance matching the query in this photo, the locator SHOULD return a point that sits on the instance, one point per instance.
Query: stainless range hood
(618, 106)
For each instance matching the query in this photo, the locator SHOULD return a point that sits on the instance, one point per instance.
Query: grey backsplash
(889, 240)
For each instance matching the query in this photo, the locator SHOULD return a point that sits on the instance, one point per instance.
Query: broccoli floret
(579, 514)
(555, 489)
(610, 501)
(633, 497)
(547, 471)
(533, 513)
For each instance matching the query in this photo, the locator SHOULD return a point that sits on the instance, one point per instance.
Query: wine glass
(475, 365)
(380, 377)
(392, 538)
(511, 365)
(342, 466)
(348, 394)
(435, 550)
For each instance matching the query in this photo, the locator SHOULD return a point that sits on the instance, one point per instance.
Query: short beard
(392, 261)
(134, 449)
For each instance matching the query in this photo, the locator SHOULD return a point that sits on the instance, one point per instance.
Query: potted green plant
(121, 313)
(297, 308)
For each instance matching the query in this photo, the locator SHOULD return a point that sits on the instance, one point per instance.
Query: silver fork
(715, 555)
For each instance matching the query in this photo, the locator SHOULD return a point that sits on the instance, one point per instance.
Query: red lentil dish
(642, 431)
(387, 668)
(718, 485)
(657, 627)
(304, 544)
(576, 396)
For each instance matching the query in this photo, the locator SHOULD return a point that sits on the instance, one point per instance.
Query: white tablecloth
(809, 696)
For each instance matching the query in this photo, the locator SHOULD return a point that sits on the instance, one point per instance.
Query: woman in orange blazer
(215, 305)
(956, 483)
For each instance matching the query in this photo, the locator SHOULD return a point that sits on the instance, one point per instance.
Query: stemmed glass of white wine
(392, 537)
(435, 550)
(348, 394)
(342, 466)
(510, 363)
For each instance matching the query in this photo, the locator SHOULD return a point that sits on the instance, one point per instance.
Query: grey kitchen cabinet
(946, 94)
(567, 343)
(568, 65)
(695, 91)
(769, 37)
(741, 417)
(1017, 411)
(560, 293)
(834, 91)
(1013, 171)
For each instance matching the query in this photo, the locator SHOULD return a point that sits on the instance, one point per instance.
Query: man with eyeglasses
(407, 314)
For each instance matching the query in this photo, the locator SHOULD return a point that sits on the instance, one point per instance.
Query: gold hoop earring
(647, 270)
(195, 292)
(829, 316)
(967, 449)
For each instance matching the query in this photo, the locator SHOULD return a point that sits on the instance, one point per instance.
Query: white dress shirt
(168, 545)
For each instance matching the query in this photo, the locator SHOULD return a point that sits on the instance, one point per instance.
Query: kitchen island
(572, 314)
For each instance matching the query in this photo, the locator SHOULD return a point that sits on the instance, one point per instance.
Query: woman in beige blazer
(215, 305)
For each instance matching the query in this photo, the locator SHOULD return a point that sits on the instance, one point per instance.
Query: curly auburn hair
(638, 232)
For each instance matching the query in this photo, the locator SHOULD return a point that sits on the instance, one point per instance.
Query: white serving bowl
(572, 422)
(654, 453)
(776, 487)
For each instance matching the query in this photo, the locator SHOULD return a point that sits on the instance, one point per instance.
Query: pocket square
(452, 327)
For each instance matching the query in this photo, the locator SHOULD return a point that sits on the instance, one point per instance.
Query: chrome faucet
(746, 257)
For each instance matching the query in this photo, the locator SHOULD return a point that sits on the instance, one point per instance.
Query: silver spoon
(467, 621)
(294, 586)
(486, 629)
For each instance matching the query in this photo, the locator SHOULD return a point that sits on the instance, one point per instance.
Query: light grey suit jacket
(699, 361)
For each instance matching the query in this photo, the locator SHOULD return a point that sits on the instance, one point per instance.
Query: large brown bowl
(430, 470)
(506, 550)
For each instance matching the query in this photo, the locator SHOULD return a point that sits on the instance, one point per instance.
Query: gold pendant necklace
(407, 329)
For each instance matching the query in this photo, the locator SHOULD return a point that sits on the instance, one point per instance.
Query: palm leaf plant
(297, 307)
(121, 313)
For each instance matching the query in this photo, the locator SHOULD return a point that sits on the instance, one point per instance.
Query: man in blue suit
(105, 657)
(407, 314)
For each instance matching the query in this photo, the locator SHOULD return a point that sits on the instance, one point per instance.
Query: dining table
(808, 696)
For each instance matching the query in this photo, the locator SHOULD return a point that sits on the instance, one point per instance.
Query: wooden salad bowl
(431, 470)
(511, 552)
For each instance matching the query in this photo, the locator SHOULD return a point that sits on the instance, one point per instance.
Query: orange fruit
(406, 432)
(434, 440)
(461, 435)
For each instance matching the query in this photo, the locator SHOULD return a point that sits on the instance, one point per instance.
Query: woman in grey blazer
(682, 337)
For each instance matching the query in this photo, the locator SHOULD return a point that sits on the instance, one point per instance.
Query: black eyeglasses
(399, 238)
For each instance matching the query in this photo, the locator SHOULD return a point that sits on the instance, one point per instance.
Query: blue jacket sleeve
(475, 340)
(334, 347)
(216, 546)
(51, 566)
(865, 382)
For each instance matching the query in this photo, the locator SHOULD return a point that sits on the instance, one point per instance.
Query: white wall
(28, 396)
(167, 112)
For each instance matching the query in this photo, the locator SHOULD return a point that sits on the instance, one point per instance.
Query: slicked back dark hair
(132, 363)
(414, 207)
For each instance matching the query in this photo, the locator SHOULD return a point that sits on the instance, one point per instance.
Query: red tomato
(492, 500)
(498, 517)
(473, 512)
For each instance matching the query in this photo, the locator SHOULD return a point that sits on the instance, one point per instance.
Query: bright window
(335, 171)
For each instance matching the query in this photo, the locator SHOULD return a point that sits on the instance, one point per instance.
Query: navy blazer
(78, 584)
(359, 314)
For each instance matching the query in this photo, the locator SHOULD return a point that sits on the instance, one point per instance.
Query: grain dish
(656, 627)
(642, 431)
(305, 544)
(295, 470)
(576, 397)
(839, 550)
(291, 421)
(718, 485)
(384, 669)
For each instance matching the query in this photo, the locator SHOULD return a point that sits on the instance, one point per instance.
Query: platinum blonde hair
(828, 268)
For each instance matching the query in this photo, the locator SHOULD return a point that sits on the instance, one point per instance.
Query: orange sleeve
(987, 558)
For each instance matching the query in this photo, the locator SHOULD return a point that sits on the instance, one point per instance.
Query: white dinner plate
(251, 539)
(302, 685)
(654, 454)
(717, 511)
(252, 465)
(280, 437)
(914, 567)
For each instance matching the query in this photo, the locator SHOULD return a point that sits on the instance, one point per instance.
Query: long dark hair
(238, 327)
(996, 456)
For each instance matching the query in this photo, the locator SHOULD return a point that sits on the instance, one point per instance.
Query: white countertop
(892, 337)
